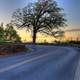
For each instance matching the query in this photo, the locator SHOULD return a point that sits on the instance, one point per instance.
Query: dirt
(12, 49)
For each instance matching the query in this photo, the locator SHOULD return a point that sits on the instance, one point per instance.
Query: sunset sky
(71, 9)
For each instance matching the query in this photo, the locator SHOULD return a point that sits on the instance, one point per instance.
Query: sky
(71, 9)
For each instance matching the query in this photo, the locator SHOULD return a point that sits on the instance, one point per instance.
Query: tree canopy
(43, 16)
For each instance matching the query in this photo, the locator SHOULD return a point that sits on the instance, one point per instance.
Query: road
(43, 63)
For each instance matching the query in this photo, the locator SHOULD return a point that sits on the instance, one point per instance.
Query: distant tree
(11, 33)
(41, 16)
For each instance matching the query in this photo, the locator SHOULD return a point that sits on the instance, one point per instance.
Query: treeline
(74, 42)
(8, 34)
(68, 42)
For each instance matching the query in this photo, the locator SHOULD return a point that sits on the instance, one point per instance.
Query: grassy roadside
(13, 48)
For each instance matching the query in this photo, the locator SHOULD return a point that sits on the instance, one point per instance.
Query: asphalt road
(43, 63)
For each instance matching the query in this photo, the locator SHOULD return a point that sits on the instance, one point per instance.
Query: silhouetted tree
(41, 16)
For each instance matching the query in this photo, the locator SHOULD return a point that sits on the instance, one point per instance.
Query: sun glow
(27, 36)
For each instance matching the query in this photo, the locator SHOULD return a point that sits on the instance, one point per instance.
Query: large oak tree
(43, 16)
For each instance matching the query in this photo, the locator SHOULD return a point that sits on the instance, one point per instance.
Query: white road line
(13, 66)
(23, 62)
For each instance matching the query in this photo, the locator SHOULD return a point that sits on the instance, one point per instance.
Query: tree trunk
(34, 36)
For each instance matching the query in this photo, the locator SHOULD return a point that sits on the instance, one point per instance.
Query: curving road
(43, 63)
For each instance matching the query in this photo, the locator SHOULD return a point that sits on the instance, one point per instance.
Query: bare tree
(41, 16)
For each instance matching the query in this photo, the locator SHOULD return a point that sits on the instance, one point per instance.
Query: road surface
(43, 63)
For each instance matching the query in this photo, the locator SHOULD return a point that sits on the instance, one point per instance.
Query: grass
(10, 48)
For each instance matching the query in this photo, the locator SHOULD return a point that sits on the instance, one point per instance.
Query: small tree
(11, 33)
(1, 32)
(42, 16)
